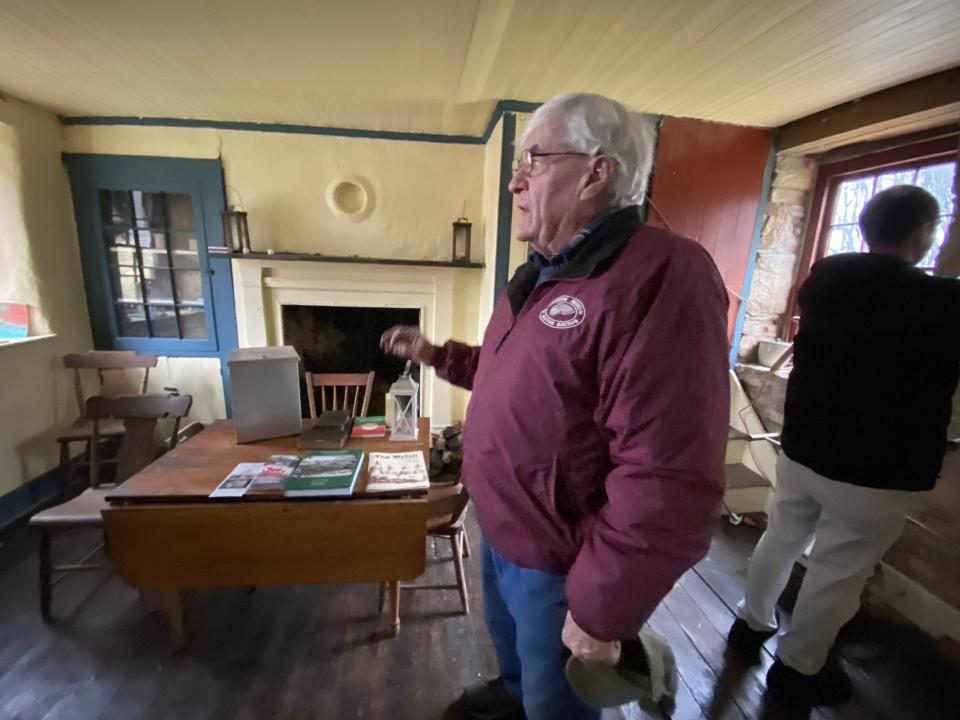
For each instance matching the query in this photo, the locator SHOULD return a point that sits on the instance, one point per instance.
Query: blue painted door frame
(202, 180)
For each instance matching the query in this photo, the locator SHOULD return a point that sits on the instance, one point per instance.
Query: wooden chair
(446, 512)
(139, 415)
(339, 387)
(100, 360)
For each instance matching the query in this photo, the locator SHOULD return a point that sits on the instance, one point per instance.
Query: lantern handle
(406, 369)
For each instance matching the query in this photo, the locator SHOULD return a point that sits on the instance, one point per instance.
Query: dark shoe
(830, 686)
(746, 641)
(488, 701)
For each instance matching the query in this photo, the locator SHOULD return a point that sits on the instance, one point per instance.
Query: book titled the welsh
(325, 473)
(273, 476)
(403, 472)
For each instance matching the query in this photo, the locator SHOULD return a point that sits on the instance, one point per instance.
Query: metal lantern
(403, 397)
(236, 236)
(461, 241)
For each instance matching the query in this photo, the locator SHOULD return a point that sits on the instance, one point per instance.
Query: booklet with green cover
(325, 473)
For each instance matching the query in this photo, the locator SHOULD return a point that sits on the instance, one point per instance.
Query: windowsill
(11, 342)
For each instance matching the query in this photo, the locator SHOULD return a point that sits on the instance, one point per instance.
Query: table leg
(173, 608)
(46, 573)
(394, 607)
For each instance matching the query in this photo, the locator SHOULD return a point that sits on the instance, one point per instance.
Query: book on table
(397, 472)
(272, 477)
(325, 473)
(369, 426)
(236, 483)
(330, 431)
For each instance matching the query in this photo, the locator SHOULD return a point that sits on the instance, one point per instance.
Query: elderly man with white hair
(595, 434)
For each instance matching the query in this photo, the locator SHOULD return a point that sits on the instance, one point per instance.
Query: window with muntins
(842, 233)
(153, 256)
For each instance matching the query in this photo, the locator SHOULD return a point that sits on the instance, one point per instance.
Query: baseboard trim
(918, 605)
(27, 498)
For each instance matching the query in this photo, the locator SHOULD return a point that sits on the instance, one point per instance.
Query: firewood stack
(447, 452)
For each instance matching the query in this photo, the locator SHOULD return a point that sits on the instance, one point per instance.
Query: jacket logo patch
(564, 312)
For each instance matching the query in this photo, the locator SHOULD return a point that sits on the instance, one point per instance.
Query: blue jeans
(525, 610)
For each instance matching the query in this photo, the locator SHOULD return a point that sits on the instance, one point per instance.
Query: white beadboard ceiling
(437, 66)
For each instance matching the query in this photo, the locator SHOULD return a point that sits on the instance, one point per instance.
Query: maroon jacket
(595, 435)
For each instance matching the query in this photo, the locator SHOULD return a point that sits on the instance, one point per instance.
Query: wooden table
(166, 534)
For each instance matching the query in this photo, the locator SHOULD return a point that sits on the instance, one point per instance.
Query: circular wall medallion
(350, 198)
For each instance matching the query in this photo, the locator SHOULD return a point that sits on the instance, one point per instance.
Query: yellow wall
(40, 265)
(488, 233)
(281, 179)
(519, 251)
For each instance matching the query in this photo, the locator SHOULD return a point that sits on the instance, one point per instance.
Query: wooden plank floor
(321, 652)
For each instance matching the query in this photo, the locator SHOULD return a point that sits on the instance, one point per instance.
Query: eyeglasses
(527, 161)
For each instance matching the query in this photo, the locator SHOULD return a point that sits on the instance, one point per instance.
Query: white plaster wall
(40, 265)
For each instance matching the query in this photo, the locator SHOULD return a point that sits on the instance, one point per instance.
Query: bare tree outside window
(851, 195)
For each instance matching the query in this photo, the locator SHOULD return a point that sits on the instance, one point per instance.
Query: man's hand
(588, 648)
(405, 341)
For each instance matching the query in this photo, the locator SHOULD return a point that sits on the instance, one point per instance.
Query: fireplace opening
(347, 340)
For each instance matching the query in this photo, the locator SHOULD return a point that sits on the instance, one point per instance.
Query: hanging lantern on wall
(403, 399)
(461, 240)
(236, 236)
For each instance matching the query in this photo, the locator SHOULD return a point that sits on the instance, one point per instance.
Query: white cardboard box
(265, 388)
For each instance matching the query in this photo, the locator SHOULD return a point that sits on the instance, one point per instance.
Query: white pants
(854, 527)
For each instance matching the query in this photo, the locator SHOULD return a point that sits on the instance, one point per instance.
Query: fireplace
(268, 290)
(347, 340)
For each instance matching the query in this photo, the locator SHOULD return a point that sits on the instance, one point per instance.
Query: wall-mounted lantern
(461, 240)
(236, 236)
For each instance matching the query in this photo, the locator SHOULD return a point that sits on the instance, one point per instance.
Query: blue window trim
(754, 250)
(203, 181)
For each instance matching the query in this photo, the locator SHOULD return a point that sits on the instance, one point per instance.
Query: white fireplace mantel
(263, 287)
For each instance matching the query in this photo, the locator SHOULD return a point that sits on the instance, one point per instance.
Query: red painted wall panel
(706, 185)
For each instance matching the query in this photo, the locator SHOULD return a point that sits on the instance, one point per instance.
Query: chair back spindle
(339, 391)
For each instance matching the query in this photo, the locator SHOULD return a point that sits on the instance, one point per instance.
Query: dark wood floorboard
(322, 651)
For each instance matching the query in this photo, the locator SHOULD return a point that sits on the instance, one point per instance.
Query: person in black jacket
(876, 362)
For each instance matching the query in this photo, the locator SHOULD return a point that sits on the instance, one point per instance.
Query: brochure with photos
(325, 473)
(237, 482)
(392, 472)
(273, 476)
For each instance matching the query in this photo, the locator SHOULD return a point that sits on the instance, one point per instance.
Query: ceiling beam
(921, 97)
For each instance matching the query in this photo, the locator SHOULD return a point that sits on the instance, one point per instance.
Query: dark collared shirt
(551, 266)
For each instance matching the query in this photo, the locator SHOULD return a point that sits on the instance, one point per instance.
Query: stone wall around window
(781, 241)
